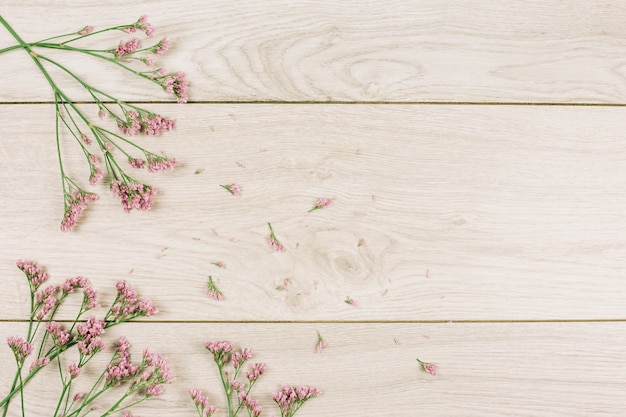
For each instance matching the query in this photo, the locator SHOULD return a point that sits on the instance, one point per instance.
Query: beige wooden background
(477, 147)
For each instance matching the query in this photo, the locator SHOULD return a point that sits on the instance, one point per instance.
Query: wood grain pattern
(550, 369)
(426, 50)
(515, 213)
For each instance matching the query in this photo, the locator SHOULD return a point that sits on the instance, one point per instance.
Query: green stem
(226, 390)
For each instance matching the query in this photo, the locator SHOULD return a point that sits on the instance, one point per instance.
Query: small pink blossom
(34, 273)
(126, 48)
(361, 243)
(39, 363)
(428, 367)
(290, 399)
(233, 188)
(75, 203)
(158, 163)
(255, 371)
(220, 350)
(321, 343)
(20, 347)
(274, 242)
(240, 357)
(85, 31)
(85, 139)
(45, 301)
(199, 171)
(134, 195)
(73, 369)
(202, 403)
(350, 301)
(79, 396)
(60, 337)
(174, 84)
(285, 285)
(320, 204)
(141, 24)
(161, 47)
(127, 304)
(89, 336)
(219, 264)
(213, 291)
(136, 162)
(89, 294)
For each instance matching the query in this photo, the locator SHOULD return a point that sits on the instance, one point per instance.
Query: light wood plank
(426, 50)
(516, 213)
(498, 369)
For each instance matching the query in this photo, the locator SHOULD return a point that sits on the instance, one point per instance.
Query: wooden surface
(493, 234)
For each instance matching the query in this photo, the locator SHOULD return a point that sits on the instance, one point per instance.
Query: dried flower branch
(320, 204)
(230, 364)
(213, 291)
(428, 367)
(130, 119)
(321, 343)
(233, 188)
(141, 381)
(274, 242)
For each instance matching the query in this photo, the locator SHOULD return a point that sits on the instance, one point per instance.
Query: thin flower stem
(21, 391)
(226, 390)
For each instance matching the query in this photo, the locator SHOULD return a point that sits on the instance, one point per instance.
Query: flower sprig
(84, 336)
(98, 143)
(230, 363)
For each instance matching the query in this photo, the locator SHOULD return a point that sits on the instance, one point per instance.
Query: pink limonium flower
(34, 273)
(428, 367)
(85, 31)
(134, 195)
(89, 340)
(146, 123)
(161, 47)
(141, 24)
(89, 294)
(219, 264)
(360, 243)
(96, 173)
(39, 363)
(202, 403)
(126, 48)
(213, 291)
(121, 367)
(158, 163)
(320, 204)
(220, 350)
(136, 162)
(274, 242)
(20, 347)
(128, 305)
(73, 369)
(233, 188)
(321, 343)
(350, 301)
(255, 372)
(60, 337)
(285, 285)
(45, 301)
(290, 399)
(174, 84)
(75, 203)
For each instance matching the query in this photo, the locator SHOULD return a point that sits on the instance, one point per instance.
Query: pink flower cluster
(39, 363)
(290, 399)
(127, 304)
(75, 203)
(256, 370)
(134, 195)
(321, 343)
(143, 25)
(73, 369)
(34, 273)
(202, 403)
(154, 371)
(136, 162)
(213, 291)
(285, 285)
(233, 188)
(428, 367)
(161, 47)
(175, 84)
(126, 48)
(320, 204)
(60, 337)
(240, 357)
(45, 301)
(274, 242)
(96, 173)
(85, 31)
(220, 350)
(20, 347)
(158, 163)
(90, 296)
(254, 408)
(120, 367)
(89, 338)
(147, 124)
